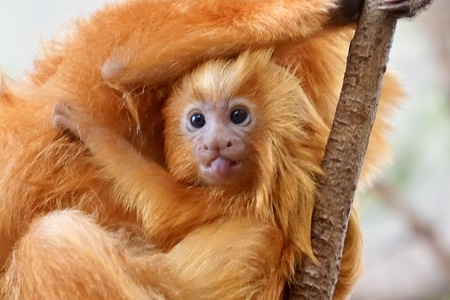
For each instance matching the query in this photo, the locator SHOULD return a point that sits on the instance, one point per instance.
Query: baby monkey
(243, 145)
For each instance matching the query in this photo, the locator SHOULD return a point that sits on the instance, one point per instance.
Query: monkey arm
(166, 208)
(173, 37)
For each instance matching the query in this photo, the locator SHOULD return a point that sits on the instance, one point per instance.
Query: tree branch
(345, 151)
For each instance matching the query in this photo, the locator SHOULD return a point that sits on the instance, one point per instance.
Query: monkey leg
(66, 255)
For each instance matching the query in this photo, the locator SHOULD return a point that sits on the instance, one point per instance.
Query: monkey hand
(404, 8)
(98, 139)
(348, 11)
(72, 120)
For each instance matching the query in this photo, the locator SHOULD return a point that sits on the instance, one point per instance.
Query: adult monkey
(133, 52)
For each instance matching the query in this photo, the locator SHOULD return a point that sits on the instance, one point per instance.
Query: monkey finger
(61, 115)
(66, 127)
(396, 1)
(62, 109)
(111, 68)
(63, 120)
(398, 8)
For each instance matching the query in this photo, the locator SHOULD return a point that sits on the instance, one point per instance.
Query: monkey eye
(198, 120)
(240, 117)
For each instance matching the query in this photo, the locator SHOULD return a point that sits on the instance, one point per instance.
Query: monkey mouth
(220, 167)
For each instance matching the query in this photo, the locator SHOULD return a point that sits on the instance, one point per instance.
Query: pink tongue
(220, 166)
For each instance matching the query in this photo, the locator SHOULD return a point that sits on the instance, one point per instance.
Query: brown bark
(345, 151)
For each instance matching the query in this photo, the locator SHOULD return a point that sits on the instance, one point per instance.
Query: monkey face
(229, 122)
(218, 133)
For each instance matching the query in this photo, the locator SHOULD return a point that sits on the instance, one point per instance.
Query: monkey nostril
(216, 145)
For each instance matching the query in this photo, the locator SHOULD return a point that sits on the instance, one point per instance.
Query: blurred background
(406, 215)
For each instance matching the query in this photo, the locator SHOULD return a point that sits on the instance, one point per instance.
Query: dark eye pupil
(238, 116)
(198, 120)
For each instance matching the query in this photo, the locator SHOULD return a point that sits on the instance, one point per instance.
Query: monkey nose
(217, 145)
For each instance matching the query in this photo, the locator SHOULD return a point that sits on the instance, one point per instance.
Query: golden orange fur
(120, 66)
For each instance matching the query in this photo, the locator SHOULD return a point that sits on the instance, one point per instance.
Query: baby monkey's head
(228, 122)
